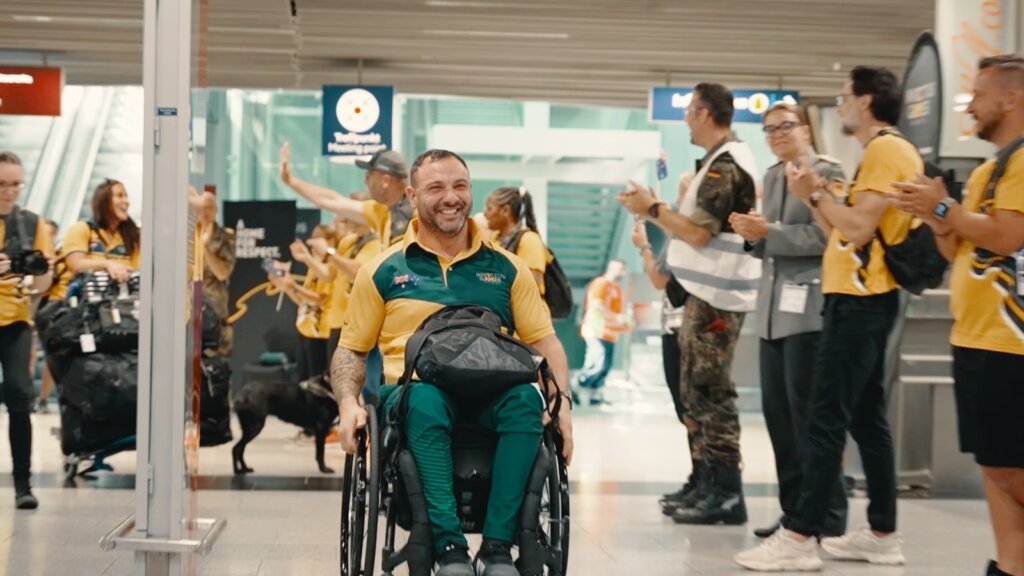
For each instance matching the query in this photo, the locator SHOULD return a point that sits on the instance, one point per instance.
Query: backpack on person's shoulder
(915, 263)
(557, 290)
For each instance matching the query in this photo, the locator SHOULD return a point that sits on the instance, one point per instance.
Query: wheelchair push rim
(360, 502)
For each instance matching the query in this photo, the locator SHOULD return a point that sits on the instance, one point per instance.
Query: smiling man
(984, 238)
(443, 259)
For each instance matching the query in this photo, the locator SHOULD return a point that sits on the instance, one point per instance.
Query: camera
(28, 262)
(25, 260)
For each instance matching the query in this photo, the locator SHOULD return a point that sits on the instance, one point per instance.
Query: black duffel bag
(464, 351)
(98, 397)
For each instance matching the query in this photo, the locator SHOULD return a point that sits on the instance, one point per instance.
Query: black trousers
(670, 362)
(18, 393)
(849, 395)
(312, 359)
(787, 379)
(332, 345)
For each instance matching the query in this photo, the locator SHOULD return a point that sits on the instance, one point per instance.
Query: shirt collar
(476, 240)
(730, 137)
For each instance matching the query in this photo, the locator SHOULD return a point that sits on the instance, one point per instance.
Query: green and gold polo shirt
(394, 293)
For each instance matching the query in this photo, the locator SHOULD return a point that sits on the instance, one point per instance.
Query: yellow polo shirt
(14, 306)
(94, 243)
(342, 284)
(395, 292)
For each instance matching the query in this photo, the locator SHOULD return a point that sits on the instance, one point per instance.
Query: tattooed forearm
(348, 372)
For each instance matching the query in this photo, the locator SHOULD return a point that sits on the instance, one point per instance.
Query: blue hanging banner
(357, 120)
(668, 103)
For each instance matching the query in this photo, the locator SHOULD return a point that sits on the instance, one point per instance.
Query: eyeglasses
(781, 129)
(693, 108)
(11, 185)
(842, 98)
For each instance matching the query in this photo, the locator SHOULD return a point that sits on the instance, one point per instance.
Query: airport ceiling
(604, 52)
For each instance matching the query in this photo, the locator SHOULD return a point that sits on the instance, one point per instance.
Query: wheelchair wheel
(555, 501)
(360, 499)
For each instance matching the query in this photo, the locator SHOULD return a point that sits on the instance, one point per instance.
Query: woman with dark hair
(109, 241)
(509, 214)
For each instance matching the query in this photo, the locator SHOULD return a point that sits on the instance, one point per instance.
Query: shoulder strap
(362, 241)
(16, 228)
(1001, 161)
(512, 244)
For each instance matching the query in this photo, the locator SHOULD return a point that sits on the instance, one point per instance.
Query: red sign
(30, 90)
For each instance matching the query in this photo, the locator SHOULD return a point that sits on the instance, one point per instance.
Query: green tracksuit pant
(515, 416)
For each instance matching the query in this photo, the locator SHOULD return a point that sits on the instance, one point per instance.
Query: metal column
(164, 532)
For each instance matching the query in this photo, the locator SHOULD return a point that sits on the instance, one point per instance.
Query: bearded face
(443, 196)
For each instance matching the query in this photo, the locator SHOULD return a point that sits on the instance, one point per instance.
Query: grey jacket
(791, 252)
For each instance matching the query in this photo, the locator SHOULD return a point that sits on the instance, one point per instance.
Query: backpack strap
(17, 230)
(362, 241)
(512, 242)
(1001, 161)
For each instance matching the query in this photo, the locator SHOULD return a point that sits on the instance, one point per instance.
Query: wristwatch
(815, 198)
(331, 251)
(655, 209)
(942, 208)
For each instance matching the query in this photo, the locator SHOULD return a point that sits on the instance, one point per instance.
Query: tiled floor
(625, 458)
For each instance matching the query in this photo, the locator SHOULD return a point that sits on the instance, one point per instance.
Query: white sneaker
(863, 545)
(781, 552)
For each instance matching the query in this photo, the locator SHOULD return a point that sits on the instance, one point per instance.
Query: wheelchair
(381, 480)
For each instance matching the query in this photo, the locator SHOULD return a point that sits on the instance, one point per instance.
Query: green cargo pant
(516, 417)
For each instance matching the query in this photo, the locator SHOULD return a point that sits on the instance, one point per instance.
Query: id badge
(88, 343)
(794, 298)
(1019, 257)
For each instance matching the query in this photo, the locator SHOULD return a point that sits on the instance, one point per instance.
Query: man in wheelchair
(444, 260)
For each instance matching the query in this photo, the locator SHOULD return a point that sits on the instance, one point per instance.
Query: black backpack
(915, 263)
(463, 350)
(557, 290)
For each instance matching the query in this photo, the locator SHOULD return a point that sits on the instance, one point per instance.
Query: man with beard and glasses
(984, 238)
(444, 259)
(861, 303)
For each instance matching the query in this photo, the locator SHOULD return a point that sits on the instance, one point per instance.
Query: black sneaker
(454, 561)
(993, 570)
(24, 499)
(496, 557)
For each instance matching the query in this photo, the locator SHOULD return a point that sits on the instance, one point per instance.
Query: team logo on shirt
(861, 258)
(1001, 270)
(491, 277)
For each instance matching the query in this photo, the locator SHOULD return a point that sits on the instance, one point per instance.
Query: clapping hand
(752, 227)
(636, 199)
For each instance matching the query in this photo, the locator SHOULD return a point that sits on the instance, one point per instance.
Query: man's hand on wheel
(353, 418)
(564, 424)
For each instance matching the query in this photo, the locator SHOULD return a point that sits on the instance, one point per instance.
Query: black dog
(308, 407)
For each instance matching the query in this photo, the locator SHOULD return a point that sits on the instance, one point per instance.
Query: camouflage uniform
(215, 291)
(707, 339)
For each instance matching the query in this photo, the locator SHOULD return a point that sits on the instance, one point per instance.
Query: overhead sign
(921, 118)
(30, 91)
(668, 103)
(357, 120)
